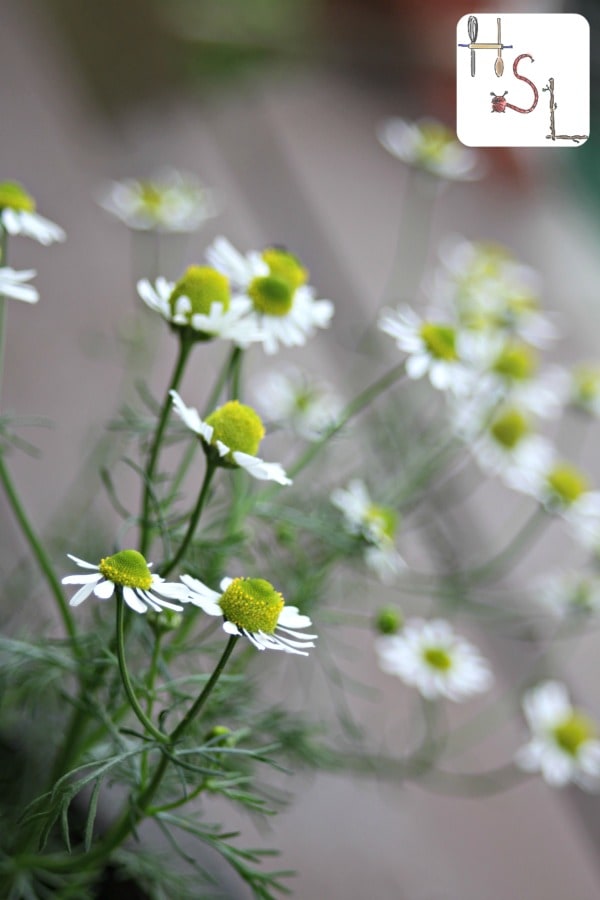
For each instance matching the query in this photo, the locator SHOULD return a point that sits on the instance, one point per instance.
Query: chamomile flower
(168, 201)
(200, 304)
(433, 658)
(252, 608)
(563, 490)
(231, 436)
(568, 595)
(283, 304)
(491, 291)
(564, 745)
(291, 398)
(129, 571)
(430, 146)
(376, 525)
(500, 437)
(13, 284)
(432, 347)
(584, 389)
(18, 215)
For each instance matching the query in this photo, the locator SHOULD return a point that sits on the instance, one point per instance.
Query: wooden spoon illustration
(499, 64)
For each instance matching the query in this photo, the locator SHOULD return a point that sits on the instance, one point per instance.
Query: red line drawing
(499, 104)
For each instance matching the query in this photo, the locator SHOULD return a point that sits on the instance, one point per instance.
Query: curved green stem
(235, 371)
(133, 700)
(185, 346)
(210, 471)
(40, 556)
(495, 567)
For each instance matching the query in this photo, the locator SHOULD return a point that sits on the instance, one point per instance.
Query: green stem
(133, 700)
(40, 556)
(185, 346)
(495, 567)
(3, 243)
(193, 711)
(235, 370)
(210, 471)
(152, 673)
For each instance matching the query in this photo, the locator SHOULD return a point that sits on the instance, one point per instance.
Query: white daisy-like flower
(18, 215)
(564, 745)
(430, 146)
(129, 571)
(168, 201)
(433, 658)
(201, 303)
(563, 490)
(295, 399)
(500, 436)
(13, 284)
(283, 304)
(491, 291)
(252, 608)
(432, 347)
(232, 435)
(584, 388)
(375, 524)
(568, 595)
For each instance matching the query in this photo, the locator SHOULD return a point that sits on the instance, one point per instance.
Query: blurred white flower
(252, 608)
(167, 201)
(18, 215)
(432, 347)
(568, 594)
(293, 398)
(284, 305)
(13, 284)
(584, 388)
(433, 658)
(429, 145)
(564, 746)
(377, 526)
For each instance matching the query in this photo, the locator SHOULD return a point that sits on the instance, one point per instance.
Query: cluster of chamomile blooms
(480, 344)
(249, 607)
(18, 216)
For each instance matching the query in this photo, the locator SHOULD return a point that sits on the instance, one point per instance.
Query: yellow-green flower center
(151, 196)
(286, 266)
(586, 385)
(202, 286)
(381, 521)
(252, 604)
(127, 568)
(567, 483)
(437, 658)
(271, 295)
(573, 732)
(516, 362)
(439, 340)
(509, 428)
(13, 196)
(434, 142)
(237, 426)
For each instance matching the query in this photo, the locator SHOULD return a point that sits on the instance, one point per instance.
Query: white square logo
(523, 80)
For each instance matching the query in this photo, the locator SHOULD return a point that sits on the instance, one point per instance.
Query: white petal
(82, 594)
(134, 602)
(104, 590)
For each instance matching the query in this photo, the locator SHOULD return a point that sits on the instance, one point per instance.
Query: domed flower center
(381, 522)
(252, 604)
(127, 568)
(271, 295)
(567, 483)
(439, 340)
(286, 266)
(574, 731)
(237, 426)
(509, 428)
(437, 658)
(13, 196)
(202, 286)
(586, 385)
(516, 362)
(151, 196)
(434, 142)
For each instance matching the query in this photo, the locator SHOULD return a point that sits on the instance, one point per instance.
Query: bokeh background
(274, 104)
